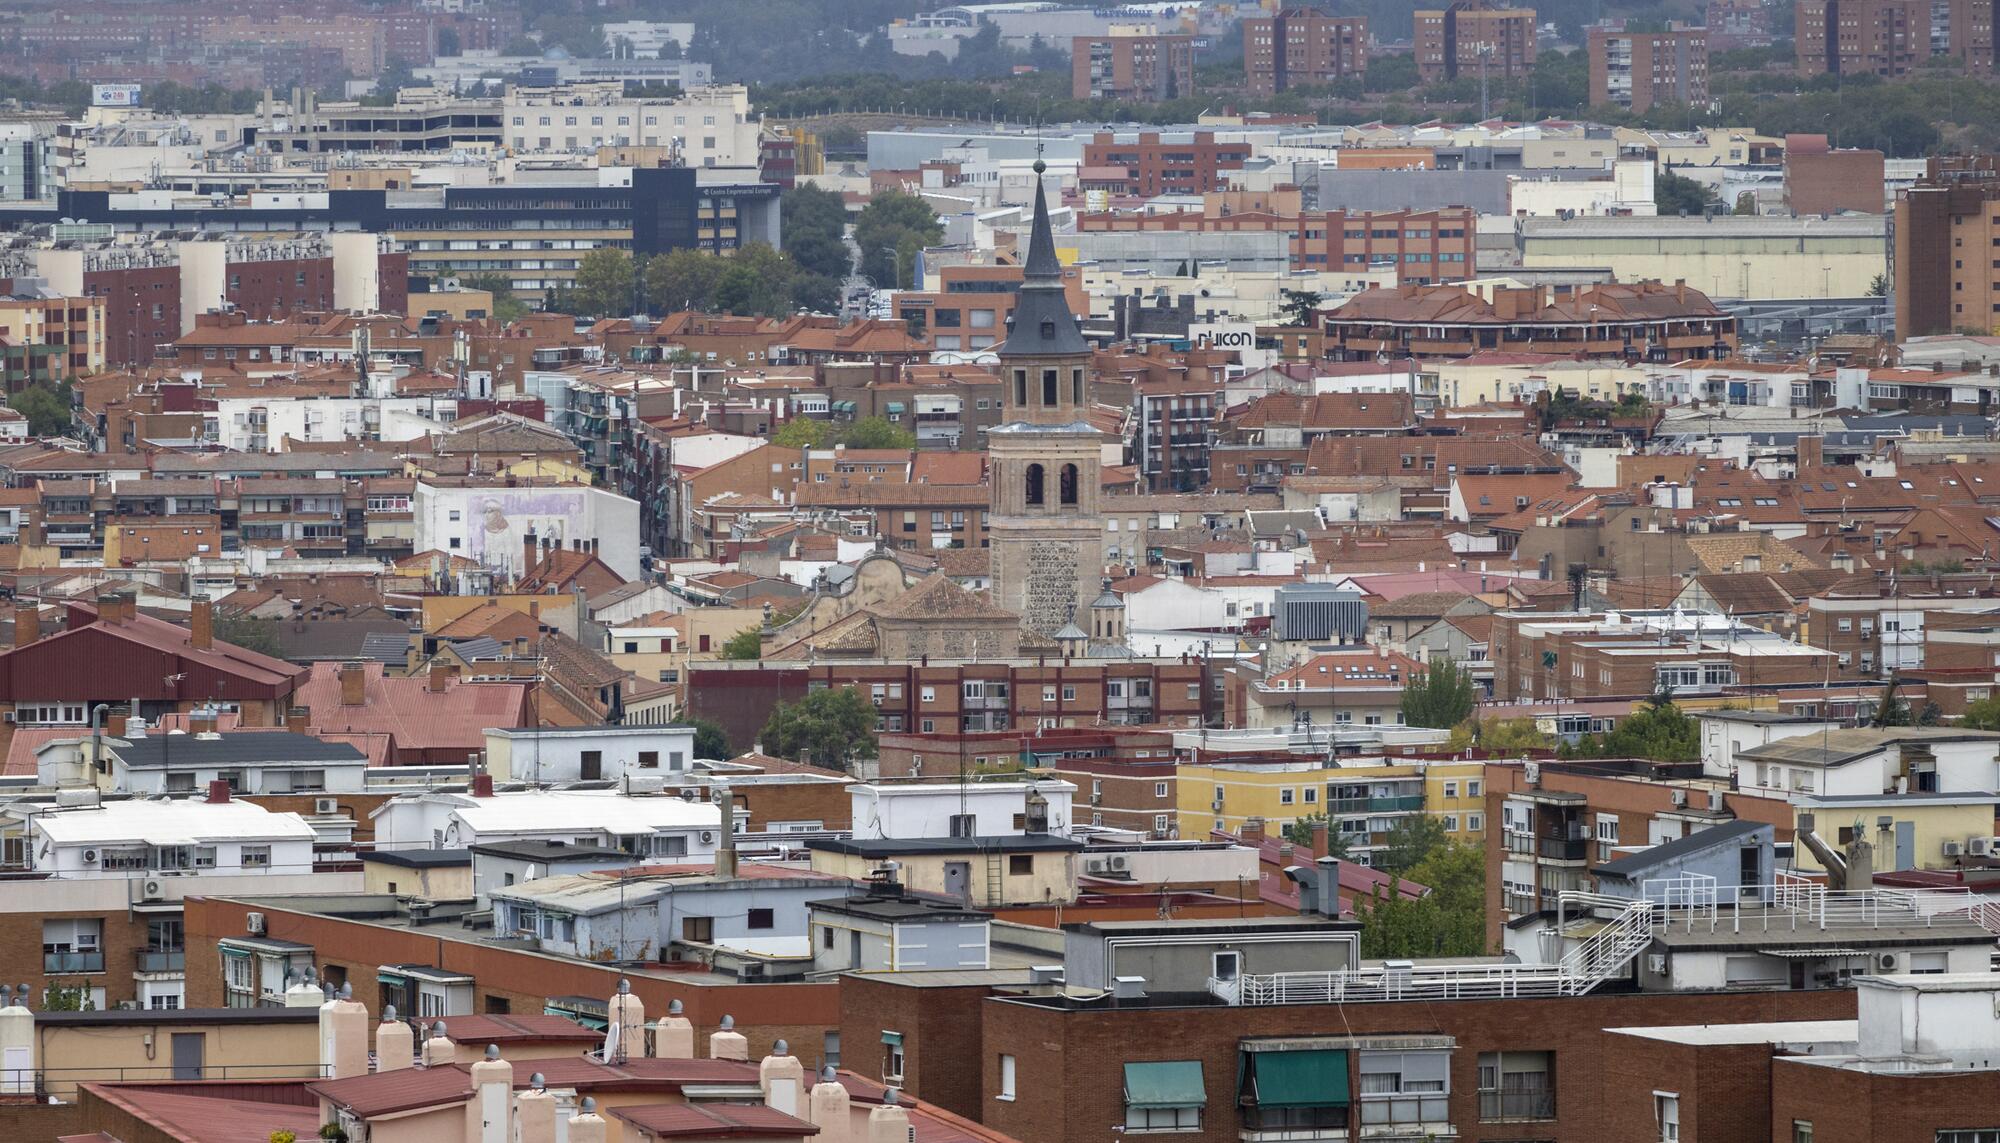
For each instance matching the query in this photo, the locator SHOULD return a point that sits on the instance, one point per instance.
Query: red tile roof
(413, 716)
(185, 1112)
(525, 1028)
(167, 667)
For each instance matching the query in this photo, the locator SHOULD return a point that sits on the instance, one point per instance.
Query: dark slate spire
(1042, 325)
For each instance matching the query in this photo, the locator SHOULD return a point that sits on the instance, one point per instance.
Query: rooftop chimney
(725, 853)
(529, 553)
(1326, 887)
(535, 1112)
(353, 684)
(492, 1099)
(783, 1081)
(673, 1036)
(482, 785)
(586, 1126)
(1320, 847)
(440, 678)
(1252, 832)
(218, 792)
(888, 1123)
(726, 1043)
(627, 1013)
(830, 1109)
(27, 624)
(110, 608)
(343, 1027)
(201, 625)
(395, 1044)
(439, 1051)
(296, 719)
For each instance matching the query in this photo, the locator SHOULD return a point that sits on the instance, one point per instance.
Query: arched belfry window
(1033, 484)
(1069, 480)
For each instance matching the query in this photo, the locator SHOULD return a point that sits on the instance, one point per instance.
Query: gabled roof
(938, 597)
(1729, 834)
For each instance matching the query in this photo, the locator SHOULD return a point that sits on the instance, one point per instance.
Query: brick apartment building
(964, 698)
(1538, 655)
(1470, 39)
(972, 304)
(1153, 164)
(1137, 63)
(1300, 44)
(1425, 247)
(1636, 70)
(1822, 180)
(1947, 212)
(1862, 37)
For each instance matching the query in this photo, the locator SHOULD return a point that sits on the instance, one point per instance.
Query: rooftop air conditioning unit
(1678, 797)
(1120, 862)
(1952, 849)
(326, 805)
(1096, 865)
(253, 923)
(1979, 847)
(707, 837)
(1886, 962)
(153, 887)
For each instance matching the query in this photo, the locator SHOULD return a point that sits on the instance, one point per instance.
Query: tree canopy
(890, 231)
(46, 407)
(1411, 841)
(745, 644)
(1448, 921)
(830, 728)
(1443, 695)
(877, 432)
(1659, 731)
(1676, 194)
(755, 281)
(604, 284)
(710, 740)
(1499, 734)
(800, 432)
(506, 307)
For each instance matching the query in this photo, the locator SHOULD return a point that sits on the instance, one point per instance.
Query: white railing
(1608, 951)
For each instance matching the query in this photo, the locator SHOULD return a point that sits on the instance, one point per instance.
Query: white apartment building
(713, 126)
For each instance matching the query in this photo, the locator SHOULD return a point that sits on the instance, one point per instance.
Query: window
(1164, 1096)
(700, 930)
(1667, 1113)
(256, 857)
(1162, 823)
(1285, 796)
(762, 919)
(1473, 787)
(892, 1064)
(1020, 865)
(1516, 1085)
(1451, 789)
(1006, 1078)
(649, 759)
(1159, 789)
(1404, 1088)
(1802, 1131)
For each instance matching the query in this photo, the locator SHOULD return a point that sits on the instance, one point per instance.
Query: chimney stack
(889, 1123)
(535, 1112)
(439, 1051)
(830, 1110)
(486, 1117)
(27, 624)
(353, 684)
(343, 1025)
(201, 625)
(1320, 846)
(440, 678)
(110, 608)
(783, 1080)
(673, 1036)
(115, 722)
(1253, 831)
(725, 853)
(482, 785)
(296, 719)
(395, 1045)
(1326, 887)
(530, 556)
(586, 1126)
(627, 1013)
(218, 792)
(726, 1043)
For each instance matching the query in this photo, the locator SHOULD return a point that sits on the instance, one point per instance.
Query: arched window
(1069, 484)
(1034, 484)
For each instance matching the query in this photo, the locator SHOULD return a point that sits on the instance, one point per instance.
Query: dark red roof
(226, 1116)
(477, 1029)
(140, 657)
(715, 1120)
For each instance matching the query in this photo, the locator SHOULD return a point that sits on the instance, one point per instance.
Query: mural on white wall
(506, 518)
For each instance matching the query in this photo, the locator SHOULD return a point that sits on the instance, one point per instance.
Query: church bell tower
(1044, 526)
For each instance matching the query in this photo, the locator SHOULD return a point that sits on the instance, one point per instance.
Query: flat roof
(1767, 1032)
(536, 850)
(990, 843)
(419, 858)
(117, 1016)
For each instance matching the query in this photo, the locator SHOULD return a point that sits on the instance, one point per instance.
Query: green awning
(1170, 1083)
(384, 976)
(896, 408)
(594, 1023)
(893, 1039)
(1313, 1078)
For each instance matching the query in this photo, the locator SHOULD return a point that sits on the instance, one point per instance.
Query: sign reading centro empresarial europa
(114, 95)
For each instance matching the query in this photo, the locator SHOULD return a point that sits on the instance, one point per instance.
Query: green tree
(682, 280)
(249, 633)
(745, 644)
(1982, 715)
(1299, 831)
(710, 740)
(60, 997)
(1659, 731)
(1443, 695)
(756, 280)
(506, 305)
(1891, 709)
(604, 281)
(1879, 287)
(898, 222)
(800, 432)
(815, 293)
(1299, 307)
(815, 221)
(1502, 735)
(1677, 194)
(1410, 843)
(46, 407)
(1450, 920)
(829, 728)
(877, 432)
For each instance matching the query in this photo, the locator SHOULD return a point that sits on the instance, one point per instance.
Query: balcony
(90, 960)
(1528, 1103)
(159, 960)
(1376, 805)
(1561, 849)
